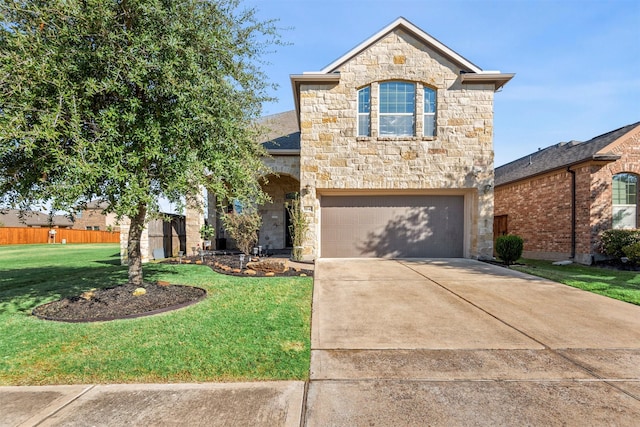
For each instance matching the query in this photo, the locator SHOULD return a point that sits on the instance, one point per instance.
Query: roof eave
(289, 152)
(497, 79)
(598, 159)
(309, 78)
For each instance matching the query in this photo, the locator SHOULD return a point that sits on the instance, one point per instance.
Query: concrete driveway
(461, 342)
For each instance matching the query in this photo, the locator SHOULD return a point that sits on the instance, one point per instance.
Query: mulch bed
(120, 303)
(230, 264)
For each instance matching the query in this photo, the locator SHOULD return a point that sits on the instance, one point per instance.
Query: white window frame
(625, 215)
(367, 114)
(381, 115)
(428, 114)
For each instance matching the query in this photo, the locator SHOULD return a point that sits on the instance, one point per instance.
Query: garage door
(392, 226)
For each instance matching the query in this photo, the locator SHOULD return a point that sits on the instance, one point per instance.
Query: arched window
(625, 200)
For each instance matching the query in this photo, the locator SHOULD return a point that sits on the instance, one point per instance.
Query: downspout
(573, 212)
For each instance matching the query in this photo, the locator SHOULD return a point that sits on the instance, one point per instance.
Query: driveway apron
(461, 342)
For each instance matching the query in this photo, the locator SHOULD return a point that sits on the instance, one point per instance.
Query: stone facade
(317, 151)
(125, 225)
(273, 232)
(539, 208)
(458, 160)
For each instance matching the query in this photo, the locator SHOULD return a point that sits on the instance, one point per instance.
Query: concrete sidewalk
(412, 342)
(238, 404)
(460, 342)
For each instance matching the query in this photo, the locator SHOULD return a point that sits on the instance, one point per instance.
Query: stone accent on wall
(285, 165)
(460, 156)
(194, 220)
(274, 225)
(125, 225)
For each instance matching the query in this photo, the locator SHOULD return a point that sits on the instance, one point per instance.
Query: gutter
(573, 212)
(597, 158)
(285, 152)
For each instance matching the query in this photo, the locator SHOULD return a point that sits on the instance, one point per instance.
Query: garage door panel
(392, 226)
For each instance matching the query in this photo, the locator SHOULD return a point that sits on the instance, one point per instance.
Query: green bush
(613, 241)
(509, 248)
(298, 227)
(632, 252)
(243, 228)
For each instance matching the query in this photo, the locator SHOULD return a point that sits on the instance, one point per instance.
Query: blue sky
(577, 63)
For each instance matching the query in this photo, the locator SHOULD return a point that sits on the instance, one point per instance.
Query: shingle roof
(13, 218)
(558, 156)
(283, 132)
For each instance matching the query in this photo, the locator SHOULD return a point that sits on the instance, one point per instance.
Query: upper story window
(397, 109)
(625, 201)
(364, 111)
(429, 128)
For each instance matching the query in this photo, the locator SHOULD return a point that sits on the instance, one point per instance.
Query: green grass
(621, 285)
(247, 329)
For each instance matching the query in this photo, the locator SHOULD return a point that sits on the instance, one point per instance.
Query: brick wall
(628, 147)
(539, 208)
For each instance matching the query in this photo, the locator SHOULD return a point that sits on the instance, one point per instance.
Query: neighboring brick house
(391, 148)
(559, 199)
(92, 217)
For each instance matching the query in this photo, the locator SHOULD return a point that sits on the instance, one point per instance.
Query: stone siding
(459, 157)
(125, 225)
(274, 225)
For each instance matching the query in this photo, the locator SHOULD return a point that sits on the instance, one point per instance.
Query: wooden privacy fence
(27, 235)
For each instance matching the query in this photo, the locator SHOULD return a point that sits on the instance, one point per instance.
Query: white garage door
(392, 226)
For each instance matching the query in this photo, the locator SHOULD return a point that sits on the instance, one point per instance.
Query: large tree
(129, 100)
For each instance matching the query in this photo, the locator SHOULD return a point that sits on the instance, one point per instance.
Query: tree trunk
(135, 254)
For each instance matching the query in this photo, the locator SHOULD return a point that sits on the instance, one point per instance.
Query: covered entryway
(408, 226)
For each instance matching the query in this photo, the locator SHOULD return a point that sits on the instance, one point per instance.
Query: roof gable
(469, 72)
(420, 35)
(561, 155)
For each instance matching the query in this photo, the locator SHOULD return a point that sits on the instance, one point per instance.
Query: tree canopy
(128, 100)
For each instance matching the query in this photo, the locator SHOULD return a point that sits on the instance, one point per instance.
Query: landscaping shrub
(509, 248)
(298, 227)
(243, 228)
(632, 252)
(613, 241)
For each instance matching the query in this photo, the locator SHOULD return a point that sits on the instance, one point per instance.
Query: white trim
(420, 34)
(497, 78)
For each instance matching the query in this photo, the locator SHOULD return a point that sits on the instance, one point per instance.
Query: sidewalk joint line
(568, 359)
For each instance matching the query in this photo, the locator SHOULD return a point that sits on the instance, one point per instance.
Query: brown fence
(26, 235)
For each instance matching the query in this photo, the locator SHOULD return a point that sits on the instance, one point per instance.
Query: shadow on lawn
(21, 290)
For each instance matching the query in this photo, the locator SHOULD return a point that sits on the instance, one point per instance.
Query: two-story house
(391, 148)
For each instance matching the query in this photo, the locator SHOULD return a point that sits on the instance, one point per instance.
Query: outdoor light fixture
(241, 260)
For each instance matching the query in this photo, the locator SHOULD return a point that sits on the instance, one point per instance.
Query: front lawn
(622, 285)
(246, 329)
